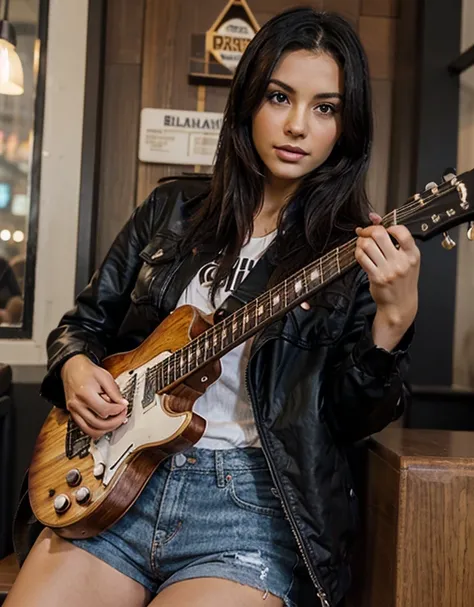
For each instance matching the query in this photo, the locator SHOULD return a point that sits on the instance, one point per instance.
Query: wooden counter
(418, 510)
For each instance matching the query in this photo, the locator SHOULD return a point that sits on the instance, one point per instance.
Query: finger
(100, 407)
(367, 264)
(109, 386)
(372, 250)
(375, 218)
(403, 236)
(380, 235)
(305, 305)
(84, 426)
(99, 423)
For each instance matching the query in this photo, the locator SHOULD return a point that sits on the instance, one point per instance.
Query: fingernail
(125, 421)
(124, 401)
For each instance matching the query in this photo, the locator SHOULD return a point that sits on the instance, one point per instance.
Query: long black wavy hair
(330, 201)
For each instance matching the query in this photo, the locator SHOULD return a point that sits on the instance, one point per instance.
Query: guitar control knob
(73, 477)
(470, 231)
(99, 470)
(61, 503)
(83, 496)
(448, 243)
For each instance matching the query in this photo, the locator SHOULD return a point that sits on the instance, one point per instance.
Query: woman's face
(299, 121)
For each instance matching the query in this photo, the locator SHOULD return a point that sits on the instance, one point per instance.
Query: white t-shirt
(225, 405)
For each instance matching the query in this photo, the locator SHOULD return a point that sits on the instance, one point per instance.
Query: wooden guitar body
(108, 503)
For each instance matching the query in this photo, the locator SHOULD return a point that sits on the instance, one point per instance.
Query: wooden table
(8, 573)
(418, 507)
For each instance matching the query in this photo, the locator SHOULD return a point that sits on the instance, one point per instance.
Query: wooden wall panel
(378, 173)
(119, 153)
(154, 36)
(402, 182)
(169, 25)
(350, 9)
(381, 8)
(378, 37)
(120, 119)
(124, 31)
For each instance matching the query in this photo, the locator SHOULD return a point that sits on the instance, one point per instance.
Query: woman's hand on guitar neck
(92, 397)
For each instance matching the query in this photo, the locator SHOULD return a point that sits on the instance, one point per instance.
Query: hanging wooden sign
(216, 54)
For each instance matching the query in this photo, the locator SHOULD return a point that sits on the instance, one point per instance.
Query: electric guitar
(79, 486)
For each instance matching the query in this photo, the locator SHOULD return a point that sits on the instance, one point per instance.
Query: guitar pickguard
(149, 423)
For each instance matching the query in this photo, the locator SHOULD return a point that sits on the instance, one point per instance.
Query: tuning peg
(447, 243)
(433, 186)
(470, 231)
(449, 174)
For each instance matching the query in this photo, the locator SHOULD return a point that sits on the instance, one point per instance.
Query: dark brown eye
(326, 109)
(278, 97)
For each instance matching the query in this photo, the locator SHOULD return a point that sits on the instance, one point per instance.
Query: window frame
(56, 165)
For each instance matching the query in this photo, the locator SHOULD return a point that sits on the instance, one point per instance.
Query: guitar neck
(276, 302)
(257, 314)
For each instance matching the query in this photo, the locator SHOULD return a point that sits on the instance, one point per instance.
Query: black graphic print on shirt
(240, 269)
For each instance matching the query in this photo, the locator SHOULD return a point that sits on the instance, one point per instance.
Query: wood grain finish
(124, 32)
(378, 37)
(8, 571)
(120, 120)
(380, 161)
(419, 530)
(350, 9)
(50, 465)
(401, 181)
(381, 8)
(119, 151)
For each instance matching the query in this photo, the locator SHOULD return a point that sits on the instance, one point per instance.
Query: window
(21, 124)
(53, 195)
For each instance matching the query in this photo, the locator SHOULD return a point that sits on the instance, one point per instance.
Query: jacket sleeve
(366, 387)
(100, 308)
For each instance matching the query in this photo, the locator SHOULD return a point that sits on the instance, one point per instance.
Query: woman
(263, 509)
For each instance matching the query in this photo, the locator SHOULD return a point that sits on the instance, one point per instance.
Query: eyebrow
(290, 89)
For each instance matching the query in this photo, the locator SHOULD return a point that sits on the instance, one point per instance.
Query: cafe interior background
(71, 172)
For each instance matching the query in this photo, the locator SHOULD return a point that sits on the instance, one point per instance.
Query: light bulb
(11, 70)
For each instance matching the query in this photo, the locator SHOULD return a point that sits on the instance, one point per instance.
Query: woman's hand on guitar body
(92, 397)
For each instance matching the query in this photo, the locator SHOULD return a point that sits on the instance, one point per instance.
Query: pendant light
(11, 70)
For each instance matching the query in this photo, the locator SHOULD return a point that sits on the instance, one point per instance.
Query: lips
(290, 153)
(292, 149)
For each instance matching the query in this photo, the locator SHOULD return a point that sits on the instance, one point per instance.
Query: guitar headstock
(440, 207)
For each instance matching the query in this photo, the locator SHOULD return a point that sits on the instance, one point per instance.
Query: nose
(296, 123)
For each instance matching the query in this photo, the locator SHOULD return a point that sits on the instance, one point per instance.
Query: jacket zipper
(322, 595)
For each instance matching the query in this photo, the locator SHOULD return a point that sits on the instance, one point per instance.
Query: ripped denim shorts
(205, 513)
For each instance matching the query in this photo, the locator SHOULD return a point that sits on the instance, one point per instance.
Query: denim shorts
(203, 514)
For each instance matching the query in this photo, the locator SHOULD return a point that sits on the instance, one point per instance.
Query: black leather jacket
(316, 381)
